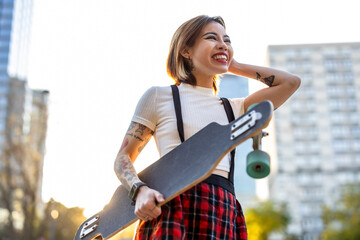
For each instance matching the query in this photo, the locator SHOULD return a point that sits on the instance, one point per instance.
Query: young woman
(199, 51)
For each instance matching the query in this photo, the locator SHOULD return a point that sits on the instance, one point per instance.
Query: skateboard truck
(258, 161)
(89, 226)
(244, 124)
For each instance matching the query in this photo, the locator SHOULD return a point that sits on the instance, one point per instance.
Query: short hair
(178, 67)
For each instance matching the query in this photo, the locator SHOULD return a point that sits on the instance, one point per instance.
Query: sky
(98, 57)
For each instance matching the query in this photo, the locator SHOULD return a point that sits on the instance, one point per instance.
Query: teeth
(220, 57)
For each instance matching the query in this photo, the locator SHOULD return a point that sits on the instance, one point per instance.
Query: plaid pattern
(203, 212)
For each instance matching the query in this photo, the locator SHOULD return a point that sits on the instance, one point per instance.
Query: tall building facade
(317, 131)
(15, 25)
(232, 86)
(23, 118)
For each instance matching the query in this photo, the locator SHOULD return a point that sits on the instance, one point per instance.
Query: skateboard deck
(179, 170)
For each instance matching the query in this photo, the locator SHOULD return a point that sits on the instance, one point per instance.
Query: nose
(222, 46)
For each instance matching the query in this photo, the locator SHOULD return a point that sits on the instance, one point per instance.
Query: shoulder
(154, 96)
(157, 90)
(153, 92)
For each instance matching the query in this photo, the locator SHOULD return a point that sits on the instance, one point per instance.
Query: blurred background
(72, 71)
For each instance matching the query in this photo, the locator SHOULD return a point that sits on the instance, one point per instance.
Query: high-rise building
(232, 86)
(23, 118)
(15, 24)
(317, 131)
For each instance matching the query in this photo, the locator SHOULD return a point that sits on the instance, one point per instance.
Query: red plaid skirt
(203, 212)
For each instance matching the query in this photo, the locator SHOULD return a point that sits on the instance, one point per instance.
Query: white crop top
(199, 106)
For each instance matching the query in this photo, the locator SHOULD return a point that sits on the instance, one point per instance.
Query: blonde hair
(178, 67)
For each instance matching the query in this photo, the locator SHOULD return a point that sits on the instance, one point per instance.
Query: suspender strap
(180, 127)
(228, 109)
(177, 105)
(231, 117)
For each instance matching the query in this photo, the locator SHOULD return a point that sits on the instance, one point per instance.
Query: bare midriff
(222, 173)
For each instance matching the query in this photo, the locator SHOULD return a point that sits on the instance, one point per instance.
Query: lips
(221, 57)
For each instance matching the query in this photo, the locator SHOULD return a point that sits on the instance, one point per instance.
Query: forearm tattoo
(267, 80)
(124, 168)
(125, 171)
(144, 144)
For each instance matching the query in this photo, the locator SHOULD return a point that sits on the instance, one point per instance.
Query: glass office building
(23, 115)
(15, 24)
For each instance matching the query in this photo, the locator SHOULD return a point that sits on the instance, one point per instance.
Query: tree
(60, 222)
(266, 218)
(21, 159)
(342, 221)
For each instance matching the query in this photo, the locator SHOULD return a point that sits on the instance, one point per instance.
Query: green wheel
(258, 164)
(251, 106)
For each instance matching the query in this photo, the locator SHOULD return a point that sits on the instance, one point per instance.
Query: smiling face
(212, 51)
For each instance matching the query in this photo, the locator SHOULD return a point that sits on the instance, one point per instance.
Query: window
(310, 178)
(342, 104)
(345, 177)
(340, 131)
(341, 146)
(341, 91)
(344, 160)
(348, 77)
(305, 132)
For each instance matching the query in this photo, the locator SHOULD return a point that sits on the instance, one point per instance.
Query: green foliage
(63, 221)
(343, 220)
(266, 218)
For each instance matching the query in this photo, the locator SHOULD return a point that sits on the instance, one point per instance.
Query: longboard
(179, 170)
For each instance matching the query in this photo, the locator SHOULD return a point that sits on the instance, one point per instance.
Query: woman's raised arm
(281, 84)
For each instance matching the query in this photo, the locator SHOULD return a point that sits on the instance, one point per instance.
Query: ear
(186, 53)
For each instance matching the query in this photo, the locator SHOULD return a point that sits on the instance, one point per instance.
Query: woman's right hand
(146, 203)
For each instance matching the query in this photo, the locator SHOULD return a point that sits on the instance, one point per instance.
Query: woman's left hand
(231, 66)
(281, 84)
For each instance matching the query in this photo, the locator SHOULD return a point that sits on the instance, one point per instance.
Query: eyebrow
(213, 33)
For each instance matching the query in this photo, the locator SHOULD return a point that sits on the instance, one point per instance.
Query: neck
(203, 80)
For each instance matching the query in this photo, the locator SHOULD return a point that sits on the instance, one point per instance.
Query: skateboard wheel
(258, 164)
(251, 106)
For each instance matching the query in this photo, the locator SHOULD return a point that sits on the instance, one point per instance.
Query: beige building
(317, 131)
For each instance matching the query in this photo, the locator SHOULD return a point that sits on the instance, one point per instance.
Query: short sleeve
(145, 112)
(238, 106)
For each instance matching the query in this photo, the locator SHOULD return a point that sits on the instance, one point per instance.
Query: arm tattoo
(124, 145)
(125, 171)
(134, 136)
(123, 166)
(146, 141)
(143, 145)
(140, 129)
(267, 80)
